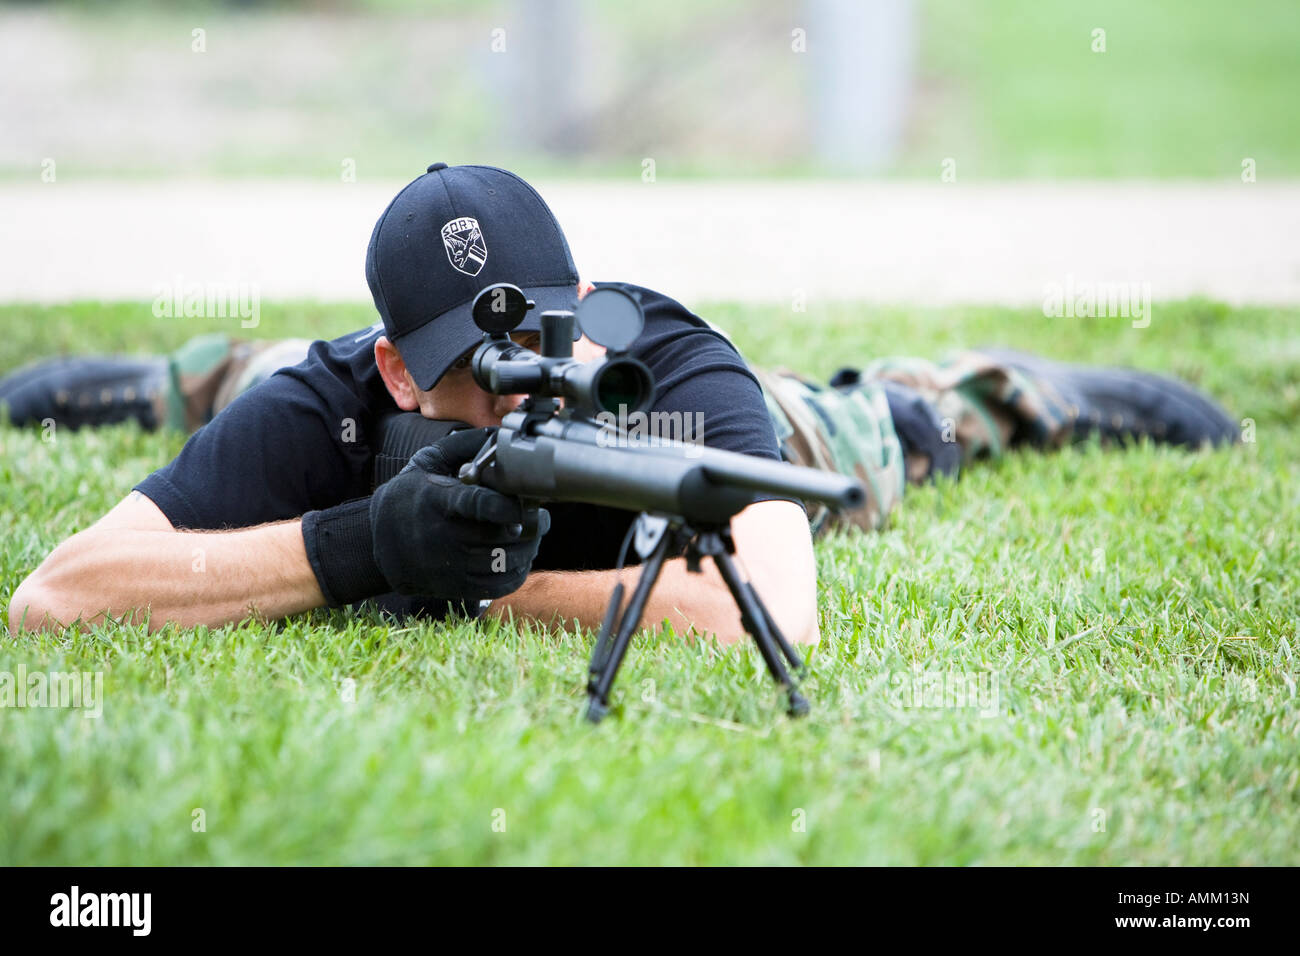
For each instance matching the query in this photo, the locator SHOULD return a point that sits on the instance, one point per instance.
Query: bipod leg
(759, 623)
(607, 657)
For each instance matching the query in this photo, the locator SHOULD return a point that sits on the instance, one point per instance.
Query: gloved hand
(434, 536)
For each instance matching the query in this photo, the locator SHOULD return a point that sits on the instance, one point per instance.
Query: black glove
(340, 553)
(434, 536)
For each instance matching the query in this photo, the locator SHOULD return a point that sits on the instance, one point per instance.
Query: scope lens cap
(500, 307)
(611, 317)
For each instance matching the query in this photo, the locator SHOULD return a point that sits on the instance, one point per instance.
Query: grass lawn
(1015, 89)
(1131, 618)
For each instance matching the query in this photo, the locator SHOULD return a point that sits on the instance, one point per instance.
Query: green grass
(1013, 89)
(1136, 610)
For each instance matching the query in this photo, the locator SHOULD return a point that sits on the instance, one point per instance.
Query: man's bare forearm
(188, 578)
(700, 601)
(773, 551)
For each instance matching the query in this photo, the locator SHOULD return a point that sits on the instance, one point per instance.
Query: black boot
(1122, 404)
(87, 391)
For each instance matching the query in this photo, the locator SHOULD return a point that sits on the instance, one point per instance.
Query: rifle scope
(610, 317)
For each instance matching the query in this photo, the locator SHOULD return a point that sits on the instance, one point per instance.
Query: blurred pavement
(923, 244)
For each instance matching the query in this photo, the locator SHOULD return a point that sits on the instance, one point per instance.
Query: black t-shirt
(302, 440)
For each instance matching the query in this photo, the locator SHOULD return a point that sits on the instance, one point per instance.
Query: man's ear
(393, 371)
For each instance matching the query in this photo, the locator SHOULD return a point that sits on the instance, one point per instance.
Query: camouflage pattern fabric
(208, 372)
(982, 406)
(846, 431)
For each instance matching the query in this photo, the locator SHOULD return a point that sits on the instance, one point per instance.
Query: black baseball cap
(446, 236)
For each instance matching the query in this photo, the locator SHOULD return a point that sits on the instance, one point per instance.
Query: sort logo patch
(466, 249)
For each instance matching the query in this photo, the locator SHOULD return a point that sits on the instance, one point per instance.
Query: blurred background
(716, 88)
(846, 118)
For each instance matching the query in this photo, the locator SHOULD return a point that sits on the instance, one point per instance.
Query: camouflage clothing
(985, 406)
(207, 373)
(852, 425)
(849, 431)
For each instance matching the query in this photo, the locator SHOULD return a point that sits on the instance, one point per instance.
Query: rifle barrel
(577, 460)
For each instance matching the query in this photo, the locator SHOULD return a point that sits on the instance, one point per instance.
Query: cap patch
(463, 240)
